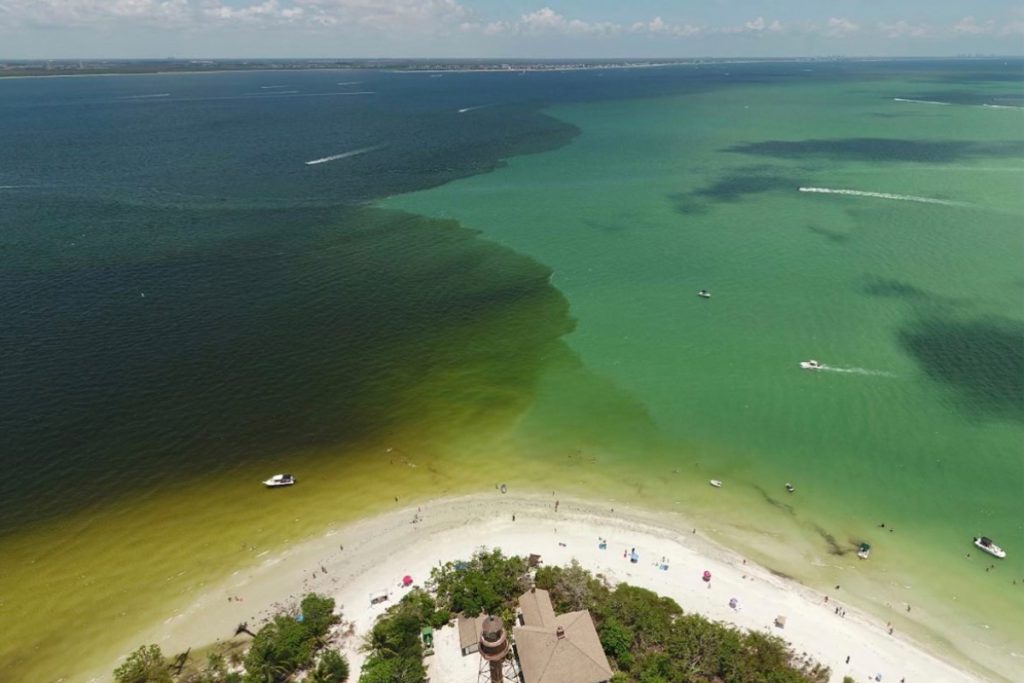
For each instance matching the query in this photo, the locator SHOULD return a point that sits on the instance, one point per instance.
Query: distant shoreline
(64, 68)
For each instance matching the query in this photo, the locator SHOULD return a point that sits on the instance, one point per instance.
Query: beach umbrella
(733, 602)
(707, 575)
(407, 580)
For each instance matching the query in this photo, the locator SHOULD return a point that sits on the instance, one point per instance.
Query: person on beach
(556, 506)
(513, 517)
(847, 659)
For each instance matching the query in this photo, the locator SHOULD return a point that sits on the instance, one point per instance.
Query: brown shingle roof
(577, 657)
(535, 604)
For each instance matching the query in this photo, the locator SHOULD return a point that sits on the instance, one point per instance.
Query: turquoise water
(916, 307)
(532, 303)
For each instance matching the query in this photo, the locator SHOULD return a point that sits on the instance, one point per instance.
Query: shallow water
(286, 326)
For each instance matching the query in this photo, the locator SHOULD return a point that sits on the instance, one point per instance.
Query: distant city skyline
(54, 29)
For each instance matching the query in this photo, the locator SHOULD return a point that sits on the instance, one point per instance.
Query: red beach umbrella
(707, 575)
(407, 580)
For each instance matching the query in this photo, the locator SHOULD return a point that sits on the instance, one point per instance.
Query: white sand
(378, 552)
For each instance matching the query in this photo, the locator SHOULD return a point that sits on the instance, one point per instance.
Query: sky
(34, 29)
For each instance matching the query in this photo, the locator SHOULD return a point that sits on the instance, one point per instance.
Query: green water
(919, 304)
(552, 332)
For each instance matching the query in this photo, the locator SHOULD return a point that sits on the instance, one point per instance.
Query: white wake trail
(904, 99)
(343, 155)
(146, 97)
(882, 195)
(466, 109)
(857, 371)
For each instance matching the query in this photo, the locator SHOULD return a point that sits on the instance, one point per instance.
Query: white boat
(790, 487)
(811, 365)
(279, 480)
(716, 483)
(704, 294)
(986, 544)
(864, 551)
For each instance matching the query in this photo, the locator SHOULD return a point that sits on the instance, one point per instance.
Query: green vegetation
(648, 638)
(284, 646)
(394, 646)
(145, 665)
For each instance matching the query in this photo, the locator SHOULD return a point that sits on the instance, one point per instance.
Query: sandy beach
(371, 557)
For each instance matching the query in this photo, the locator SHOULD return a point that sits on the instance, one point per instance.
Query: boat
(811, 365)
(279, 480)
(790, 487)
(864, 551)
(704, 294)
(986, 544)
(716, 483)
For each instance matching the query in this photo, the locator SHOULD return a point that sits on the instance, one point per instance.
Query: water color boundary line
(343, 155)
(883, 195)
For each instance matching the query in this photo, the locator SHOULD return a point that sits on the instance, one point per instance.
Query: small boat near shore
(717, 483)
(811, 365)
(704, 294)
(790, 488)
(985, 543)
(864, 551)
(279, 480)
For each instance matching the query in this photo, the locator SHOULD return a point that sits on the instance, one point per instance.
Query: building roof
(535, 605)
(469, 630)
(546, 656)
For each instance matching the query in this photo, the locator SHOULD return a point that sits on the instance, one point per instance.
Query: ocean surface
(398, 286)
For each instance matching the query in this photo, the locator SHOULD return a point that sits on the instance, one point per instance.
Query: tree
(145, 665)
(278, 650)
(318, 614)
(333, 668)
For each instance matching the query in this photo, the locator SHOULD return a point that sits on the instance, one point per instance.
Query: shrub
(145, 665)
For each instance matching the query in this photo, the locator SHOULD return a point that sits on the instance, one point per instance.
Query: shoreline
(352, 562)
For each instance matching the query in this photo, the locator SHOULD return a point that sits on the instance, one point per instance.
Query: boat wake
(1000, 106)
(343, 155)
(856, 371)
(146, 97)
(467, 109)
(910, 101)
(883, 195)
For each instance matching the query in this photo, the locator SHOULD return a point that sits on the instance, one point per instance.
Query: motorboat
(790, 487)
(811, 365)
(986, 544)
(279, 480)
(864, 551)
(716, 483)
(704, 294)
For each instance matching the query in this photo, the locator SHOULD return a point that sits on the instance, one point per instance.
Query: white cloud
(658, 26)
(839, 26)
(970, 26)
(903, 29)
(755, 26)
(87, 12)
(546, 20)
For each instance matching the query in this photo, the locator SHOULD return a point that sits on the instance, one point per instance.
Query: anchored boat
(986, 544)
(279, 480)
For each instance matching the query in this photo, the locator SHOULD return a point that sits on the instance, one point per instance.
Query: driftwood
(179, 662)
(244, 628)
